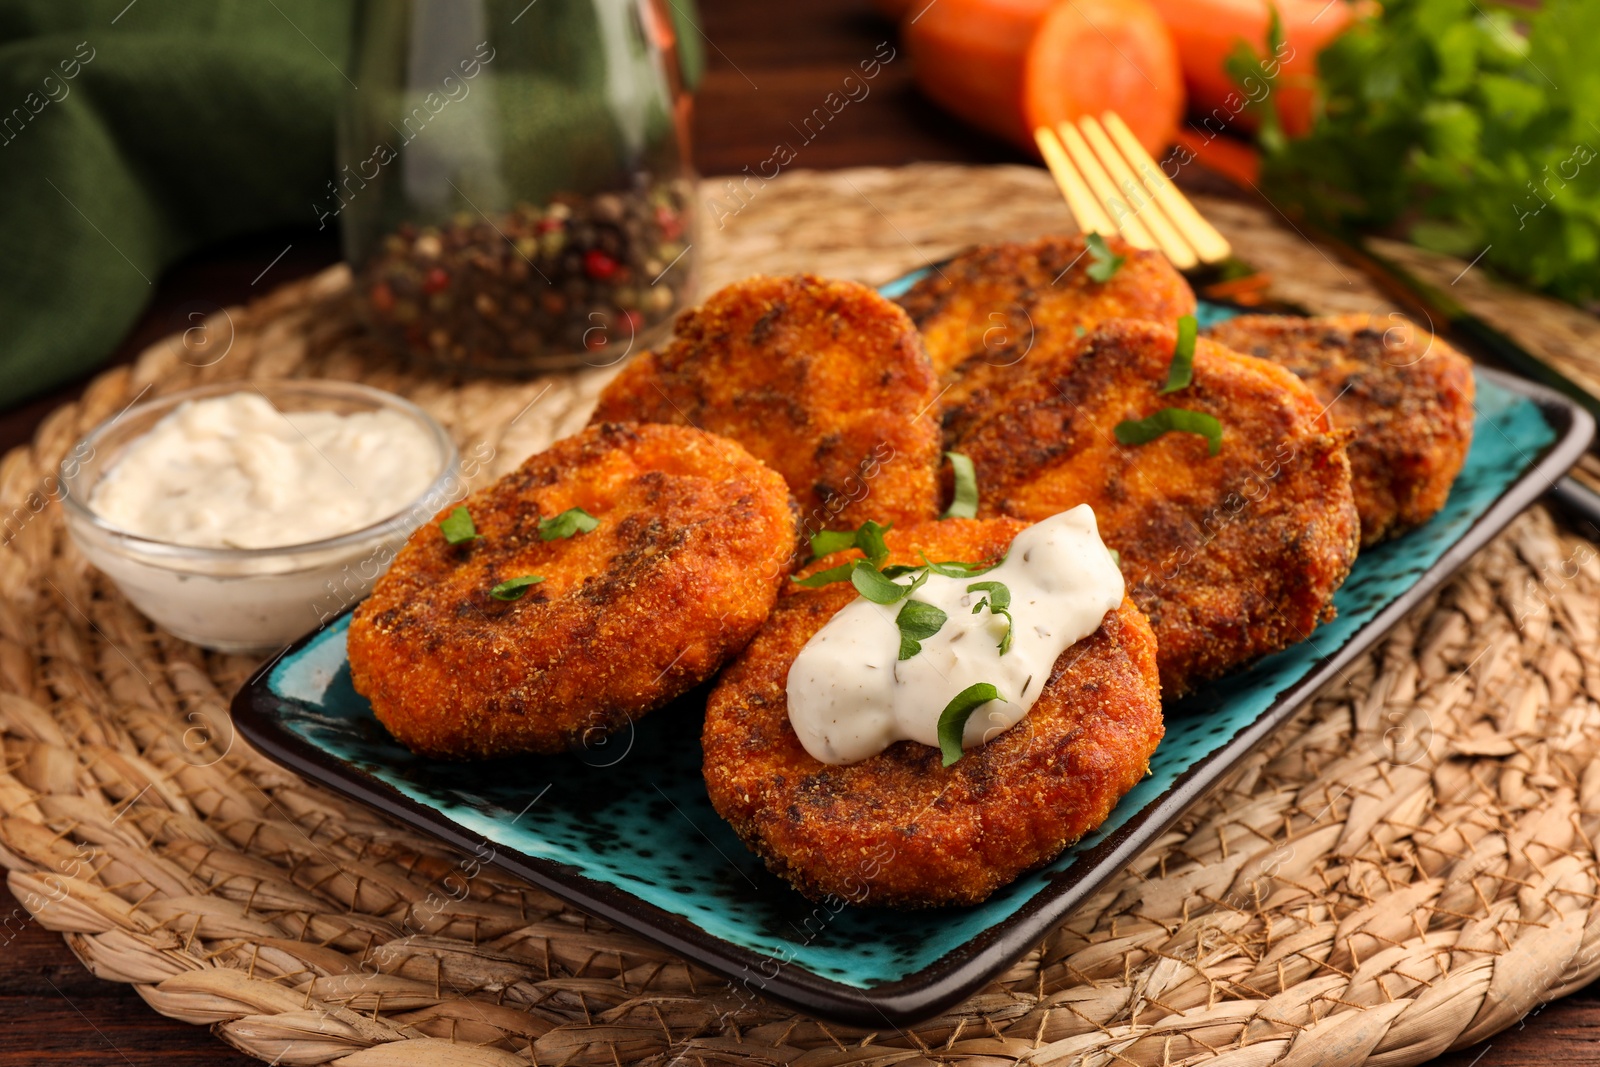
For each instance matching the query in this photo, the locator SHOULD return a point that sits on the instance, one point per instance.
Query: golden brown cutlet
(986, 311)
(1231, 556)
(1405, 395)
(692, 546)
(824, 381)
(899, 829)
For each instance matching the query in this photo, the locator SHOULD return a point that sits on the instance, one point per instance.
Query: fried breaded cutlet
(898, 828)
(984, 312)
(824, 381)
(1405, 395)
(692, 546)
(1233, 555)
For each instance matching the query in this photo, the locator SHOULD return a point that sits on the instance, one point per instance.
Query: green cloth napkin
(134, 134)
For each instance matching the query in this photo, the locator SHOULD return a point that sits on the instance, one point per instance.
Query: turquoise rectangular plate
(625, 830)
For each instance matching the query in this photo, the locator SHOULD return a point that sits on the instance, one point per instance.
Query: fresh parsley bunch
(1463, 125)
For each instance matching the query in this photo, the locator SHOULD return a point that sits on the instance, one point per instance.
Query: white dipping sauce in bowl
(240, 516)
(235, 472)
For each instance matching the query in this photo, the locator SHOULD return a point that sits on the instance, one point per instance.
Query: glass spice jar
(515, 193)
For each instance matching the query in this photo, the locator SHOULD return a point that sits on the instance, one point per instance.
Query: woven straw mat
(1407, 867)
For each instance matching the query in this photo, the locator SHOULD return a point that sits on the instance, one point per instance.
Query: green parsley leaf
(870, 577)
(569, 522)
(827, 542)
(997, 595)
(1104, 263)
(954, 568)
(998, 601)
(1143, 431)
(514, 588)
(953, 719)
(1275, 34)
(917, 583)
(917, 621)
(1116, 557)
(828, 577)
(1180, 372)
(964, 503)
(1463, 124)
(1257, 77)
(870, 583)
(457, 527)
(869, 539)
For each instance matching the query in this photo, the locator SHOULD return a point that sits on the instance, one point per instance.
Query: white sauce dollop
(850, 696)
(235, 472)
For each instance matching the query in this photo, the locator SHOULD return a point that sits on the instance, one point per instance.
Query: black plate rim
(965, 969)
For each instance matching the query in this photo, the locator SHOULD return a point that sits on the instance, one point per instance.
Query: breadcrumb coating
(694, 541)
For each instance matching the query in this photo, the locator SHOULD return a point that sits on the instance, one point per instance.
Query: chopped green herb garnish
(998, 601)
(828, 577)
(953, 719)
(1116, 557)
(871, 578)
(1104, 263)
(995, 593)
(871, 583)
(514, 588)
(869, 539)
(917, 621)
(1143, 431)
(1180, 372)
(954, 568)
(568, 523)
(457, 527)
(877, 586)
(827, 542)
(964, 502)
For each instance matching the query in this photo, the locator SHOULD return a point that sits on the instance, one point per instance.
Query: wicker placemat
(1408, 867)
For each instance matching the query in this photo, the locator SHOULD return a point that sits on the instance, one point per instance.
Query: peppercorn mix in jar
(516, 194)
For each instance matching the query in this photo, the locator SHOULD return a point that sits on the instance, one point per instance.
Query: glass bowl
(247, 599)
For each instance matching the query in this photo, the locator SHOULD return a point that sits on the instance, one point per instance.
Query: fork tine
(1210, 245)
(1122, 217)
(1080, 201)
(1167, 238)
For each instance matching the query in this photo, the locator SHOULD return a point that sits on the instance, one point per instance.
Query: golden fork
(1112, 185)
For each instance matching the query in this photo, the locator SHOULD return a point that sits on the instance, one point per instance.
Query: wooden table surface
(769, 65)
